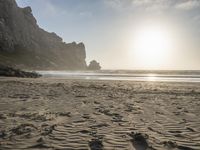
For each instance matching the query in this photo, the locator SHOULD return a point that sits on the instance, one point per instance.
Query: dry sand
(77, 114)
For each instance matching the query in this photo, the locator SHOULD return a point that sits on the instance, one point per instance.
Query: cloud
(86, 14)
(53, 9)
(50, 9)
(188, 5)
(115, 4)
(153, 4)
(197, 19)
(143, 2)
(147, 5)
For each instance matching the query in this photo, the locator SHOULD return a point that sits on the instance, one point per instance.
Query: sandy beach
(59, 114)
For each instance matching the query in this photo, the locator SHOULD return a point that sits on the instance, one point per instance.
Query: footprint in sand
(139, 141)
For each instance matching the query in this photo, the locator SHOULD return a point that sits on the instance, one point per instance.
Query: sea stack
(94, 65)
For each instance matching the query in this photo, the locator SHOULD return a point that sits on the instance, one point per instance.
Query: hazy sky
(109, 29)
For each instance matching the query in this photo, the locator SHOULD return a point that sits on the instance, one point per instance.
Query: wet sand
(63, 114)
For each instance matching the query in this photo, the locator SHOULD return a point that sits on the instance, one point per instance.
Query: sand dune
(65, 115)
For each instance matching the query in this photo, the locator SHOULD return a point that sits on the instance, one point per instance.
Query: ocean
(129, 75)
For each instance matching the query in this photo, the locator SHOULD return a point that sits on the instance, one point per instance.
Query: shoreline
(52, 113)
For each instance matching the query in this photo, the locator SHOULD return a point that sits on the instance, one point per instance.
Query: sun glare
(151, 47)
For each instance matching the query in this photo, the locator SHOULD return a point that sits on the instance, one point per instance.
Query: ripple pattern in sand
(98, 115)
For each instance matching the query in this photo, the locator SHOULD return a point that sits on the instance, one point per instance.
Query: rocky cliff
(25, 45)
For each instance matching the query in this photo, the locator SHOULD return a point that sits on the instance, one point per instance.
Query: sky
(127, 34)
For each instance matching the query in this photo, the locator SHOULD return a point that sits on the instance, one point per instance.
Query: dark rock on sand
(64, 114)
(139, 141)
(96, 144)
(48, 130)
(24, 44)
(94, 65)
(170, 144)
(11, 72)
(2, 134)
(23, 128)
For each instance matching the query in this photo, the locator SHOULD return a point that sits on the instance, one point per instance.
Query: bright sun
(151, 47)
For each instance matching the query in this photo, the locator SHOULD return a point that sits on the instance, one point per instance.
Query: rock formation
(11, 72)
(94, 65)
(23, 44)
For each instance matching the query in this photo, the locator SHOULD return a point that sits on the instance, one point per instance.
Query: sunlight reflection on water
(151, 77)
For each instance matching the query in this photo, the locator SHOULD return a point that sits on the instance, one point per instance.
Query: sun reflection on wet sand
(151, 77)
